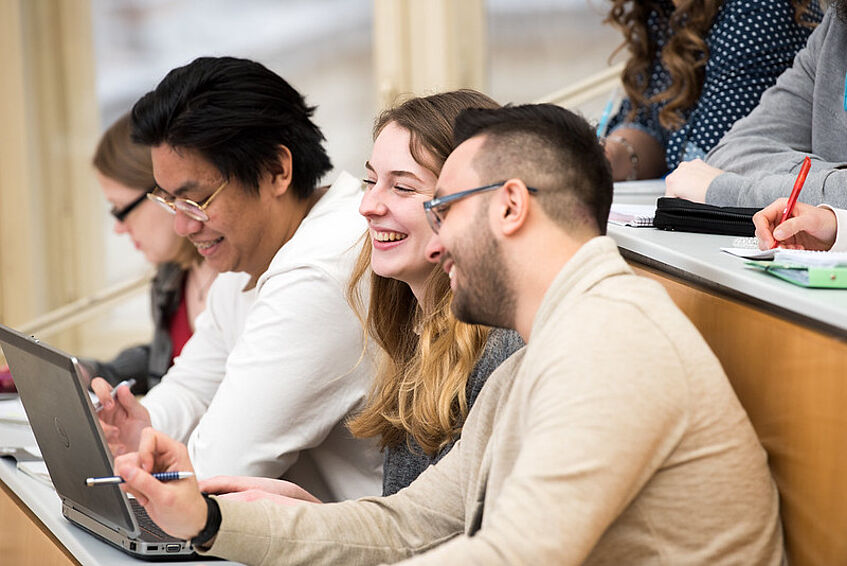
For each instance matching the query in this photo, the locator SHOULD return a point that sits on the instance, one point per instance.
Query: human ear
(282, 171)
(513, 206)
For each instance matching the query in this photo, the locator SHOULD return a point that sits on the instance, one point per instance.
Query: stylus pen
(161, 476)
(128, 382)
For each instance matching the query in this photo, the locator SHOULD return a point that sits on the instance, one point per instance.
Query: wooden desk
(784, 348)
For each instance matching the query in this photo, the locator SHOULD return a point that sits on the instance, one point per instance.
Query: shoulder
(328, 237)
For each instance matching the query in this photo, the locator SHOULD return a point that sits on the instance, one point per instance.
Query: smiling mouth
(206, 245)
(389, 236)
(449, 268)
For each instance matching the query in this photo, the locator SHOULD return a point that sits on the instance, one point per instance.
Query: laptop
(55, 397)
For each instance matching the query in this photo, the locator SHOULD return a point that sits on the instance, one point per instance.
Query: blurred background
(80, 64)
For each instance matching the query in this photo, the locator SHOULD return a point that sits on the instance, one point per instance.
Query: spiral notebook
(637, 215)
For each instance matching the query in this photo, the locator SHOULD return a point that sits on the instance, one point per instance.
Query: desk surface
(697, 258)
(45, 504)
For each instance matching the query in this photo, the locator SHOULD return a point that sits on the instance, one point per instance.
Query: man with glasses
(273, 369)
(613, 438)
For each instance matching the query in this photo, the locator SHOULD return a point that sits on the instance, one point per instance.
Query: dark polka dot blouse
(750, 44)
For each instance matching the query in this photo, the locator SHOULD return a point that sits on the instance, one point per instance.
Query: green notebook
(806, 276)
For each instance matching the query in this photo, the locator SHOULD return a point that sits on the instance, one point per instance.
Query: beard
(486, 296)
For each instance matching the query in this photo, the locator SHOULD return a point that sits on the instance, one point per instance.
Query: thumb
(139, 483)
(789, 228)
(131, 405)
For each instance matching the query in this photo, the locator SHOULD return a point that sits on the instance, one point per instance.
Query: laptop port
(132, 546)
(152, 547)
(172, 548)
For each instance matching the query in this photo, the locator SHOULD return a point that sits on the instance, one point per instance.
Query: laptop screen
(65, 427)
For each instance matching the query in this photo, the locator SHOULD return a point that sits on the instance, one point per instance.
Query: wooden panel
(22, 285)
(793, 383)
(51, 249)
(24, 541)
(426, 46)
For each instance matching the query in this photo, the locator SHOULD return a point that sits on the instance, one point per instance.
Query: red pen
(795, 192)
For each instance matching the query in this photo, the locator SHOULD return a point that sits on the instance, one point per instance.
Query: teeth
(206, 245)
(388, 236)
(451, 272)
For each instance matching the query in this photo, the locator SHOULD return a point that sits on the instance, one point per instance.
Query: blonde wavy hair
(427, 354)
(684, 55)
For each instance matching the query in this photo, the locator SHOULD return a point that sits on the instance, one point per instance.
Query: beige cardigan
(614, 437)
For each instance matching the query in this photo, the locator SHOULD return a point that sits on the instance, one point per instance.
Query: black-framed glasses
(120, 215)
(437, 207)
(193, 210)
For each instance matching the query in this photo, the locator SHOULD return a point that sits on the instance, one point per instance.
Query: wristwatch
(213, 522)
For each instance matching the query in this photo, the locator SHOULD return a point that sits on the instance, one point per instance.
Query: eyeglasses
(186, 206)
(120, 215)
(437, 208)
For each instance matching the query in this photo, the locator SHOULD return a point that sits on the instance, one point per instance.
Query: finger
(139, 483)
(219, 484)
(140, 497)
(790, 228)
(130, 404)
(165, 451)
(147, 449)
(763, 231)
(110, 432)
(126, 399)
(103, 390)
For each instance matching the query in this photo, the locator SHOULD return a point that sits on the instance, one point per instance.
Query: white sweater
(264, 385)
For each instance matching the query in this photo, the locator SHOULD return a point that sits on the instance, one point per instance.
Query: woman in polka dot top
(694, 68)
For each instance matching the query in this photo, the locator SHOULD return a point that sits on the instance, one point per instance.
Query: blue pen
(161, 476)
(607, 113)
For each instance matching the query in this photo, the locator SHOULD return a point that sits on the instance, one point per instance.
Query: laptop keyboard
(147, 525)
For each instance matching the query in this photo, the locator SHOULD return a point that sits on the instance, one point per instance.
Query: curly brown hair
(684, 55)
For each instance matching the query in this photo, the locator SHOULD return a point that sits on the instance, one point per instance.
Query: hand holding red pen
(798, 186)
(808, 228)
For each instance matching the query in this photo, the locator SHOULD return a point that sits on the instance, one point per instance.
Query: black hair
(550, 148)
(236, 114)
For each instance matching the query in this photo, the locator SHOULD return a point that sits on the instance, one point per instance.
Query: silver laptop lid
(66, 428)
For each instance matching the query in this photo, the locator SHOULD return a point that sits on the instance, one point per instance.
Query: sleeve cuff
(244, 534)
(840, 244)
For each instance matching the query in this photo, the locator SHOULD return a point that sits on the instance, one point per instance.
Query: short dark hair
(235, 113)
(547, 147)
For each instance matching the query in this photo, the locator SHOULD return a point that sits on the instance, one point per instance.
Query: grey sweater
(803, 114)
(407, 461)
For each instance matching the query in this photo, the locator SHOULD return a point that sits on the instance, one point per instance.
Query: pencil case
(686, 216)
